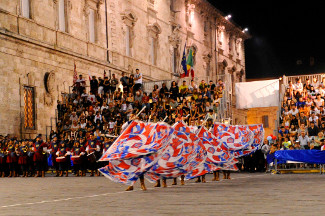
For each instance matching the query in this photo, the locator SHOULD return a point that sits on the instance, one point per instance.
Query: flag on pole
(183, 63)
(75, 75)
(189, 63)
(89, 76)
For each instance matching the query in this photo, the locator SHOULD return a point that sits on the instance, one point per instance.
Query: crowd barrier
(296, 160)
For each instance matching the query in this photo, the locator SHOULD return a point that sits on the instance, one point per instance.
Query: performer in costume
(83, 158)
(30, 158)
(54, 145)
(23, 155)
(2, 159)
(39, 159)
(62, 154)
(76, 154)
(11, 158)
(92, 147)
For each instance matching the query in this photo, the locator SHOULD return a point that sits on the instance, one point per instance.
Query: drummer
(84, 158)
(92, 147)
(76, 154)
(62, 154)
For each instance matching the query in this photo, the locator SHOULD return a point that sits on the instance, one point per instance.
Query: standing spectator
(163, 91)
(212, 87)
(100, 86)
(107, 85)
(80, 84)
(203, 85)
(114, 83)
(137, 80)
(220, 83)
(125, 82)
(94, 85)
(174, 91)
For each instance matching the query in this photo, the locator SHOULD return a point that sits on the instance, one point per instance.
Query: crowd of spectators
(302, 120)
(108, 105)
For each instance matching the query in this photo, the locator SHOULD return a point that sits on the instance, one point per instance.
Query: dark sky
(283, 32)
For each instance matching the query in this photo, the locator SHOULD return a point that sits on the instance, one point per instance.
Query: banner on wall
(257, 94)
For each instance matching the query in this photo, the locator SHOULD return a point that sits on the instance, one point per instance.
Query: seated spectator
(138, 97)
(318, 140)
(283, 132)
(303, 140)
(312, 130)
(313, 118)
(183, 89)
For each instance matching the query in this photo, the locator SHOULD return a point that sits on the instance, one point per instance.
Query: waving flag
(184, 156)
(139, 139)
(135, 151)
(184, 65)
(217, 153)
(257, 140)
(237, 137)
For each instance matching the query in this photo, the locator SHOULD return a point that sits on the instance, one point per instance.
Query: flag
(75, 75)
(89, 76)
(135, 151)
(189, 63)
(183, 63)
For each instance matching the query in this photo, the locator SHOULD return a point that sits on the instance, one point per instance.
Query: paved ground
(245, 194)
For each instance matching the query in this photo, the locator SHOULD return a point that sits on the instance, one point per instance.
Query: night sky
(284, 33)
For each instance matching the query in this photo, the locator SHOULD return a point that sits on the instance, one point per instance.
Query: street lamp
(228, 17)
(245, 30)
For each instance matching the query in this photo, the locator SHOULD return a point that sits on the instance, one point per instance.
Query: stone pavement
(245, 194)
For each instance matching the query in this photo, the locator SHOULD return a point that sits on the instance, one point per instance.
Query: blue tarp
(306, 156)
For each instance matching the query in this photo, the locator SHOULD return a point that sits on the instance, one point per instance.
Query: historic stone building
(42, 40)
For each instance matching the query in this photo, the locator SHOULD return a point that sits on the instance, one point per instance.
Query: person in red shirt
(22, 160)
(39, 159)
(11, 158)
(62, 158)
(93, 146)
(2, 159)
(76, 157)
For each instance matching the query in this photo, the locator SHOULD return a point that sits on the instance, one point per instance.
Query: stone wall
(254, 116)
(29, 48)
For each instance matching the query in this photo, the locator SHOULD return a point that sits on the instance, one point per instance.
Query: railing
(303, 78)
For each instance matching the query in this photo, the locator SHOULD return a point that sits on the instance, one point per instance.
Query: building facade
(42, 41)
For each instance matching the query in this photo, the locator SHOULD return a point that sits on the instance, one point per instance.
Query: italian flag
(189, 63)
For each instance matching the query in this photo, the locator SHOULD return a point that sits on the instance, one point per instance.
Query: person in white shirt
(104, 106)
(313, 118)
(83, 124)
(98, 117)
(137, 80)
(294, 111)
(91, 98)
(299, 86)
(74, 117)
